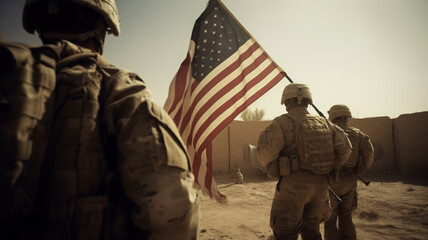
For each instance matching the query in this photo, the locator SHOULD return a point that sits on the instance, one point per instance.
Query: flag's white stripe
(231, 109)
(218, 87)
(203, 170)
(189, 97)
(214, 190)
(233, 91)
(202, 175)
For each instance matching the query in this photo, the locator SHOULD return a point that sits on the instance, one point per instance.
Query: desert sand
(392, 207)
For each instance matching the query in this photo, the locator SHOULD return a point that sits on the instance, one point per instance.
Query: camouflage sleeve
(270, 143)
(365, 153)
(153, 163)
(342, 145)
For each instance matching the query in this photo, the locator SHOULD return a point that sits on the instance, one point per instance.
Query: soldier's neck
(343, 125)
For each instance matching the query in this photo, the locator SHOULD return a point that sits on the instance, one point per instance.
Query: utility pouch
(294, 161)
(272, 170)
(283, 166)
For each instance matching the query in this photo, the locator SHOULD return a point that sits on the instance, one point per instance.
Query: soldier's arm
(342, 145)
(153, 164)
(365, 152)
(270, 143)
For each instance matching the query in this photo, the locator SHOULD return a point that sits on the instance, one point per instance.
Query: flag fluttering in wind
(224, 72)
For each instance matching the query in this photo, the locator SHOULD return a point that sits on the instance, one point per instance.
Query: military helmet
(106, 8)
(339, 110)
(296, 90)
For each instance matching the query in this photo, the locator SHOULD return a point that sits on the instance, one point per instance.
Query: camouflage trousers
(300, 206)
(340, 225)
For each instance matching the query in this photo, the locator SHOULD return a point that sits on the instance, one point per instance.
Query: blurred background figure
(238, 177)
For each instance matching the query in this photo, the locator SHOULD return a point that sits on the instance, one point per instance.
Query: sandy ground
(390, 208)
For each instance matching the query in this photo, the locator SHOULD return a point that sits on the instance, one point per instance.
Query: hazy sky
(369, 54)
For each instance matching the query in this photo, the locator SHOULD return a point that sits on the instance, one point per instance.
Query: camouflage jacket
(279, 137)
(116, 167)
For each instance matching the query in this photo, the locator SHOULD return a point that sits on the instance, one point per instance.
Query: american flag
(224, 72)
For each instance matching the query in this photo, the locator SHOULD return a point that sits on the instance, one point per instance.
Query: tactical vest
(354, 137)
(314, 143)
(27, 82)
(68, 160)
(78, 170)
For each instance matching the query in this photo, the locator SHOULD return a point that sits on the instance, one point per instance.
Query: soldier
(305, 148)
(115, 166)
(346, 187)
(238, 177)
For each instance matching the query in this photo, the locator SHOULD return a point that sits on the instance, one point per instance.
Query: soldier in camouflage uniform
(115, 167)
(308, 148)
(238, 177)
(346, 187)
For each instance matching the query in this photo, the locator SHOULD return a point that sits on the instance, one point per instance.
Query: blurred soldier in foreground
(346, 187)
(301, 149)
(114, 165)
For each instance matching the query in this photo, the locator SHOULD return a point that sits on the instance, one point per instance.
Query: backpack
(354, 138)
(26, 86)
(50, 102)
(314, 143)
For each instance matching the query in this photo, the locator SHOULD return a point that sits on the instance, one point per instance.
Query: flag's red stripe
(208, 174)
(226, 89)
(232, 116)
(179, 121)
(228, 86)
(212, 83)
(177, 117)
(180, 82)
(260, 77)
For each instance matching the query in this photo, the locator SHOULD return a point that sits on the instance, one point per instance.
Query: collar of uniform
(64, 48)
(298, 110)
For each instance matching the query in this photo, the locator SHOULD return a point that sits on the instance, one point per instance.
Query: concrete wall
(230, 144)
(401, 144)
(243, 133)
(380, 131)
(411, 138)
(221, 151)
